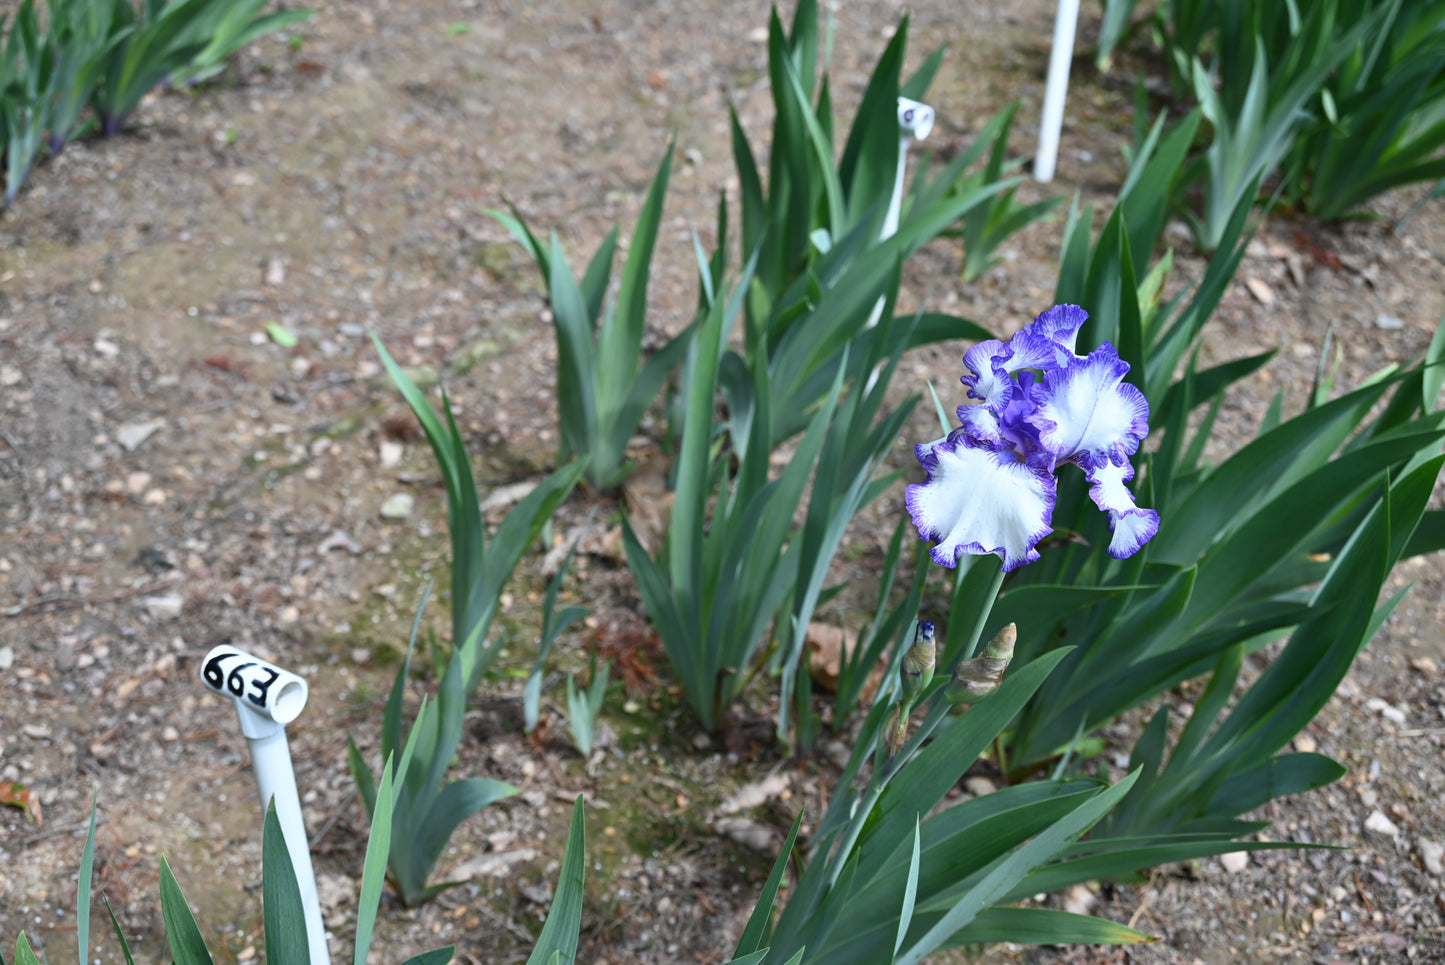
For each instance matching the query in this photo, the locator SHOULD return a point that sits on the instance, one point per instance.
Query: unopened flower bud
(976, 679)
(918, 662)
(1001, 647)
(895, 732)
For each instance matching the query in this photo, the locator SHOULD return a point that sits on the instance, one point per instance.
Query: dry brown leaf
(751, 795)
(1260, 289)
(17, 795)
(827, 646)
(649, 503)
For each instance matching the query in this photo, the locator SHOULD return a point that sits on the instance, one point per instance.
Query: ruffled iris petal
(990, 482)
(1087, 414)
(1107, 488)
(988, 381)
(1132, 526)
(979, 425)
(1060, 325)
(1131, 531)
(977, 501)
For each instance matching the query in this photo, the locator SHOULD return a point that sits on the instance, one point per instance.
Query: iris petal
(977, 502)
(1131, 531)
(1060, 324)
(1037, 403)
(988, 382)
(1107, 488)
(1087, 414)
(1132, 526)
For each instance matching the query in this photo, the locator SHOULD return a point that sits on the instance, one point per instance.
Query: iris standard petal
(988, 381)
(1048, 341)
(1087, 414)
(977, 502)
(1059, 324)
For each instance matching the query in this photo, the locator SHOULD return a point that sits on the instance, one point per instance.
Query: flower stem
(894, 764)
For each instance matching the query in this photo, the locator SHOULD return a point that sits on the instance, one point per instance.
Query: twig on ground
(63, 600)
(57, 831)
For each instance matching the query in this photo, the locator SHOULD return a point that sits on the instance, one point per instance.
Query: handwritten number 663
(215, 675)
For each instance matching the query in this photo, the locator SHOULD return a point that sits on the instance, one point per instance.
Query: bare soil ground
(171, 479)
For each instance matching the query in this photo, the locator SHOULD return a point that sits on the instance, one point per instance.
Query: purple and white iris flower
(991, 486)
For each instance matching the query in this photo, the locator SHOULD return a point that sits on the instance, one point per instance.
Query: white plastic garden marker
(915, 120)
(268, 698)
(1056, 89)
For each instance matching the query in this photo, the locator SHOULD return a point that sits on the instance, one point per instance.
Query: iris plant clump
(991, 485)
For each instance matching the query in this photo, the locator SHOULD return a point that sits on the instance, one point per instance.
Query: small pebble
(132, 435)
(361, 655)
(1079, 900)
(164, 607)
(170, 734)
(1393, 714)
(1378, 823)
(398, 506)
(1235, 861)
(978, 785)
(1432, 855)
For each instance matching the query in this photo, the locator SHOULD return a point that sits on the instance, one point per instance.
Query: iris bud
(918, 662)
(978, 678)
(895, 732)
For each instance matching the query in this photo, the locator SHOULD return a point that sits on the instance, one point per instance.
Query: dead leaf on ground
(1260, 289)
(17, 795)
(828, 646)
(751, 795)
(746, 832)
(648, 501)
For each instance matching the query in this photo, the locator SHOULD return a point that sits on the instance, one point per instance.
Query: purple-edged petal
(1132, 526)
(1059, 325)
(977, 501)
(1048, 341)
(923, 452)
(1107, 489)
(1131, 531)
(979, 425)
(1086, 413)
(988, 381)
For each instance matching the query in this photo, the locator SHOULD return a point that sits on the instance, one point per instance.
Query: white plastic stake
(915, 120)
(268, 698)
(1056, 90)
